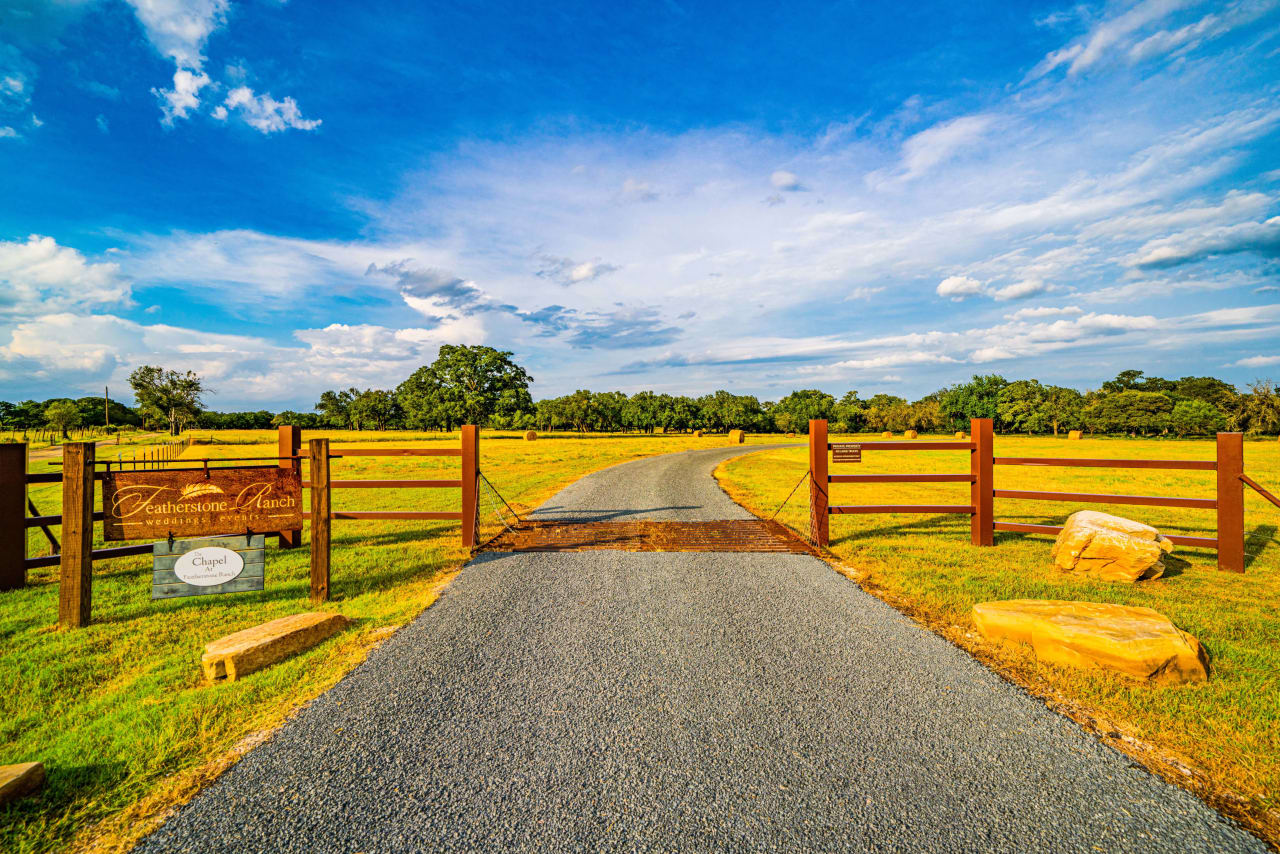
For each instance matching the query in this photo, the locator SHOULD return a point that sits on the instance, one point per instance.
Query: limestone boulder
(1112, 547)
(1138, 642)
(19, 780)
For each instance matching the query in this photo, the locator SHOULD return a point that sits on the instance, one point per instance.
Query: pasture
(117, 712)
(1225, 734)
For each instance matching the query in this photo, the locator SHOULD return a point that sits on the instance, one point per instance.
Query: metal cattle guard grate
(729, 535)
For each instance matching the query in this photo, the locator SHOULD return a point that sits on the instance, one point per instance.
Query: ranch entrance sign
(139, 505)
(208, 565)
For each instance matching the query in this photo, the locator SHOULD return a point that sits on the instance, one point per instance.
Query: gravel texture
(612, 701)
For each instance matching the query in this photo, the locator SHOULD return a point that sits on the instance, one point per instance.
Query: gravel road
(607, 701)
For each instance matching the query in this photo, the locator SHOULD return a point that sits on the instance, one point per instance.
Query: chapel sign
(139, 505)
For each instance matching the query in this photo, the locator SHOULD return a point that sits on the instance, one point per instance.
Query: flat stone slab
(1111, 547)
(242, 653)
(17, 781)
(1137, 642)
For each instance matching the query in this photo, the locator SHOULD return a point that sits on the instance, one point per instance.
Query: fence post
(819, 520)
(321, 510)
(470, 482)
(1230, 502)
(13, 516)
(75, 591)
(289, 442)
(981, 489)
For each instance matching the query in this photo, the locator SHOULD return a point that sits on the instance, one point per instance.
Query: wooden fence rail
(80, 472)
(1228, 503)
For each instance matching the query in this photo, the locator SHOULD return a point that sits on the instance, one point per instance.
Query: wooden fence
(1228, 504)
(80, 471)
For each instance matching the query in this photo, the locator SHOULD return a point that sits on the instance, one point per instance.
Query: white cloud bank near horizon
(1067, 229)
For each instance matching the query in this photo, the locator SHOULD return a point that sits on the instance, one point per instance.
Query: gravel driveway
(610, 701)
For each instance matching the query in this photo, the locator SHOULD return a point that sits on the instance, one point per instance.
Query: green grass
(117, 711)
(1227, 730)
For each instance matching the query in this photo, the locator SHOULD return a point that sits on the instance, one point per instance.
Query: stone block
(242, 653)
(19, 780)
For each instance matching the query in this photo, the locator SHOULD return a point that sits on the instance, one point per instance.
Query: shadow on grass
(1257, 540)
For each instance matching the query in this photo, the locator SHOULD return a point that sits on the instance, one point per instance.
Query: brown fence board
(1053, 530)
(395, 514)
(397, 452)
(1093, 498)
(1073, 462)
(854, 509)
(914, 446)
(900, 478)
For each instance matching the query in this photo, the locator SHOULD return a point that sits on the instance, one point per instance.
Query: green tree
(464, 385)
(1209, 389)
(374, 408)
(335, 407)
(884, 412)
(1195, 418)
(803, 406)
(62, 415)
(1134, 412)
(851, 412)
(1260, 408)
(978, 398)
(176, 396)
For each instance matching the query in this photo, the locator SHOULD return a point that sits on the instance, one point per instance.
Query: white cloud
(184, 97)
(1199, 244)
(264, 113)
(1020, 290)
(1107, 36)
(959, 287)
(179, 29)
(40, 275)
(1044, 311)
(937, 144)
(784, 180)
(1257, 361)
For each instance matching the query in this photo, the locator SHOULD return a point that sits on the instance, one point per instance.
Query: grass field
(117, 711)
(1224, 734)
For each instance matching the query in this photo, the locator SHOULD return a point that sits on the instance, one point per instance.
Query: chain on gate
(489, 491)
(790, 495)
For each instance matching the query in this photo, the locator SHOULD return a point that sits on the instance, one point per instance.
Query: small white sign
(209, 566)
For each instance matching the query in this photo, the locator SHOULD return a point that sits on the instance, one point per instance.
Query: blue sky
(289, 197)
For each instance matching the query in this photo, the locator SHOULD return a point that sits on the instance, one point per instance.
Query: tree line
(481, 385)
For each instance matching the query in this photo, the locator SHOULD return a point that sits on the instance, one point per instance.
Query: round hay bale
(1075, 434)
(910, 434)
(697, 434)
(886, 435)
(530, 436)
(737, 437)
(959, 434)
(791, 435)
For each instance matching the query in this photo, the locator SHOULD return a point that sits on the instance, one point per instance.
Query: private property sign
(846, 452)
(139, 505)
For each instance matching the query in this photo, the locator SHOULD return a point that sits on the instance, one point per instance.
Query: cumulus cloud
(184, 97)
(264, 113)
(39, 275)
(959, 287)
